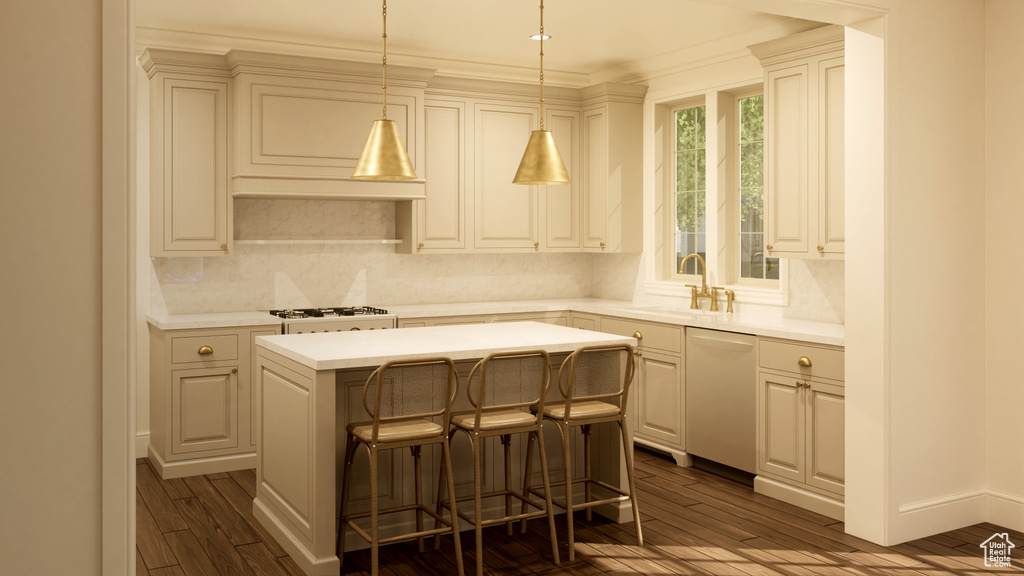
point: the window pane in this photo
(689, 195)
(753, 263)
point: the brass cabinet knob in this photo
(804, 361)
(205, 350)
(638, 353)
(768, 247)
(421, 244)
(234, 370)
(638, 335)
(602, 244)
(821, 248)
(803, 385)
(223, 246)
(536, 244)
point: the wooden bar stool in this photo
(507, 390)
(594, 381)
(404, 398)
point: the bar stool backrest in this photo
(602, 373)
(404, 390)
(509, 380)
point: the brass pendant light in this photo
(384, 156)
(541, 163)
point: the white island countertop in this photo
(365, 348)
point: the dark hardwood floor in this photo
(693, 522)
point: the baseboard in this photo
(937, 515)
(198, 466)
(824, 505)
(682, 459)
(1005, 510)
(141, 444)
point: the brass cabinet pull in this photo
(803, 385)
(804, 361)
(602, 244)
(638, 335)
(234, 370)
(768, 247)
(536, 244)
(638, 353)
(421, 244)
(205, 350)
(223, 246)
(821, 248)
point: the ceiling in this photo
(588, 36)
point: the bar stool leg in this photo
(586, 471)
(547, 493)
(632, 483)
(374, 520)
(346, 480)
(506, 441)
(567, 453)
(446, 453)
(441, 481)
(416, 452)
(477, 505)
(527, 473)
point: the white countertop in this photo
(340, 350)
(774, 327)
(215, 320)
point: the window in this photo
(689, 191)
(752, 261)
(709, 197)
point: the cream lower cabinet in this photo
(801, 425)
(202, 402)
(657, 397)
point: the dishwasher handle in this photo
(723, 342)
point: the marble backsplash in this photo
(261, 277)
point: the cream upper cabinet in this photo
(506, 213)
(611, 172)
(804, 150)
(438, 222)
(300, 125)
(190, 209)
(560, 204)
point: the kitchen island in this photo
(310, 388)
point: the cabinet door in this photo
(561, 203)
(831, 160)
(595, 177)
(204, 409)
(659, 398)
(191, 213)
(506, 213)
(780, 420)
(826, 434)
(787, 202)
(441, 217)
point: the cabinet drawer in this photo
(186, 348)
(785, 356)
(659, 336)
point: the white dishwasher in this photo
(721, 397)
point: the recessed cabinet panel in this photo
(595, 170)
(782, 428)
(832, 133)
(505, 212)
(826, 449)
(659, 412)
(562, 201)
(787, 158)
(298, 126)
(189, 168)
(204, 409)
(443, 215)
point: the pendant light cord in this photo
(384, 65)
(541, 64)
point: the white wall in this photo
(1004, 309)
(50, 215)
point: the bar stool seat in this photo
(395, 432)
(585, 409)
(494, 420)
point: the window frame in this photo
(721, 200)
